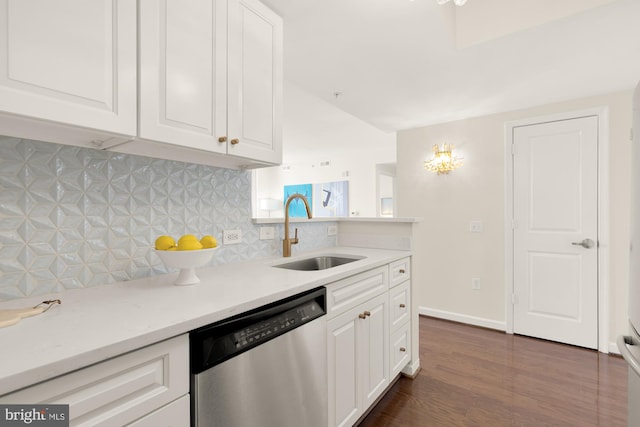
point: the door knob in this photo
(586, 243)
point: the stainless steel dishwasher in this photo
(266, 367)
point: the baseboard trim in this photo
(613, 348)
(463, 318)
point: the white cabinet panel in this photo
(175, 414)
(400, 349)
(183, 72)
(255, 81)
(400, 305)
(375, 348)
(399, 271)
(119, 390)
(347, 293)
(70, 61)
(358, 349)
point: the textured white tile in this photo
(74, 217)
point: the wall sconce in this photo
(443, 160)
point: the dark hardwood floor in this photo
(478, 377)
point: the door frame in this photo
(602, 113)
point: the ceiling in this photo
(401, 64)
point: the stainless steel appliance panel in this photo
(282, 382)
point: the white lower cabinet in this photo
(150, 382)
(369, 338)
(358, 359)
(175, 414)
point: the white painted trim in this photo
(613, 348)
(603, 214)
(462, 318)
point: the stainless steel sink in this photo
(319, 262)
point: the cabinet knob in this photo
(401, 271)
(402, 349)
(367, 313)
(235, 141)
(362, 316)
(402, 306)
(222, 139)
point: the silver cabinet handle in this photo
(586, 243)
(623, 343)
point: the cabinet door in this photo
(254, 82)
(374, 347)
(342, 350)
(183, 72)
(70, 61)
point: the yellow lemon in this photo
(165, 243)
(189, 245)
(187, 238)
(208, 242)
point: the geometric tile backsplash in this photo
(74, 217)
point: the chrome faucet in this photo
(287, 242)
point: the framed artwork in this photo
(296, 208)
(332, 199)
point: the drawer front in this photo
(400, 349)
(399, 271)
(119, 390)
(175, 414)
(400, 305)
(348, 293)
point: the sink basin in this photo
(319, 262)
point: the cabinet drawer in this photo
(347, 293)
(399, 271)
(400, 305)
(120, 390)
(400, 349)
(175, 414)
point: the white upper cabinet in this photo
(183, 72)
(255, 81)
(210, 80)
(69, 61)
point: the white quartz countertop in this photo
(94, 324)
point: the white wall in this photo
(317, 131)
(448, 255)
(358, 169)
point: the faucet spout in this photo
(287, 242)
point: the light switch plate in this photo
(267, 233)
(476, 226)
(332, 230)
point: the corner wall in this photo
(449, 256)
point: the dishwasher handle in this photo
(623, 342)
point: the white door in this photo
(555, 194)
(70, 61)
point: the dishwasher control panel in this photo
(216, 343)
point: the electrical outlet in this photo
(267, 233)
(332, 230)
(231, 237)
(475, 226)
(475, 283)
